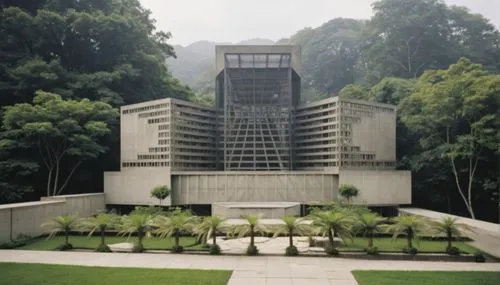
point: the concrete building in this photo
(258, 146)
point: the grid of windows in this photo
(324, 132)
(185, 136)
(322, 135)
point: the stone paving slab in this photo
(257, 270)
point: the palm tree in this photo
(369, 223)
(348, 191)
(209, 226)
(451, 228)
(100, 222)
(141, 224)
(292, 225)
(174, 225)
(408, 225)
(331, 223)
(61, 224)
(251, 227)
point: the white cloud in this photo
(236, 20)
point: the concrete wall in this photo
(379, 188)
(211, 187)
(267, 210)
(376, 134)
(136, 135)
(26, 218)
(132, 186)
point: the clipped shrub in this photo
(252, 250)
(410, 250)
(452, 250)
(138, 248)
(65, 247)
(20, 240)
(479, 257)
(177, 249)
(103, 248)
(7, 245)
(371, 250)
(291, 251)
(331, 251)
(215, 249)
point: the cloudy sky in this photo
(236, 20)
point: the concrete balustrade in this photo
(26, 218)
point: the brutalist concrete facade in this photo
(258, 144)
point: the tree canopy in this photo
(64, 132)
(98, 50)
(456, 113)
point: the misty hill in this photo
(197, 59)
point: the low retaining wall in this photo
(26, 218)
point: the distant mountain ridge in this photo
(198, 57)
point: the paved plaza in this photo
(258, 270)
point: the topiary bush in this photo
(65, 247)
(215, 249)
(331, 251)
(177, 249)
(252, 250)
(103, 248)
(371, 250)
(410, 250)
(138, 248)
(479, 257)
(20, 240)
(452, 250)
(291, 251)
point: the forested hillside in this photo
(101, 51)
(65, 66)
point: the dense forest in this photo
(61, 60)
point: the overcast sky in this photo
(237, 20)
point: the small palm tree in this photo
(331, 223)
(368, 224)
(348, 191)
(174, 225)
(160, 192)
(100, 222)
(408, 225)
(141, 224)
(292, 225)
(61, 224)
(451, 228)
(251, 227)
(209, 226)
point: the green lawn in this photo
(41, 274)
(426, 278)
(388, 244)
(93, 241)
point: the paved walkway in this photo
(486, 235)
(259, 270)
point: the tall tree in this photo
(405, 37)
(64, 132)
(456, 112)
(330, 54)
(102, 50)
